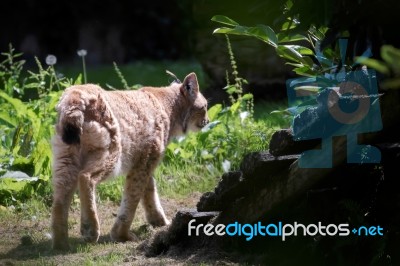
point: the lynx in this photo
(100, 134)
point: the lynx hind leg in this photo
(65, 173)
(151, 203)
(90, 226)
(135, 185)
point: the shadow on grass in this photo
(28, 250)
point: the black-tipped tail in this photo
(71, 134)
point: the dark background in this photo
(127, 31)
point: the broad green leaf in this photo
(261, 32)
(311, 89)
(301, 49)
(214, 111)
(305, 71)
(264, 33)
(286, 51)
(11, 184)
(373, 63)
(285, 37)
(238, 30)
(317, 34)
(224, 20)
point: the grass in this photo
(148, 73)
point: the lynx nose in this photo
(205, 122)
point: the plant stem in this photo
(84, 69)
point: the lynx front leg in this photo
(154, 211)
(133, 191)
(90, 227)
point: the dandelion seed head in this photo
(82, 52)
(51, 60)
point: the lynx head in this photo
(195, 116)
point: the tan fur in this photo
(101, 133)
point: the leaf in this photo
(18, 105)
(289, 24)
(285, 37)
(210, 126)
(8, 119)
(311, 89)
(235, 107)
(264, 33)
(305, 71)
(392, 56)
(11, 184)
(289, 52)
(230, 89)
(301, 49)
(214, 111)
(238, 30)
(373, 63)
(32, 85)
(224, 20)
(261, 32)
(247, 96)
(78, 80)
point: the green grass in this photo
(146, 73)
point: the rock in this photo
(208, 202)
(177, 232)
(283, 143)
(229, 188)
(257, 165)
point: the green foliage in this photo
(390, 66)
(26, 128)
(289, 44)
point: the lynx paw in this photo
(158, 221)
(118, 237)
(60, 245)
(89, 232)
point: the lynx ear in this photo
(190, 86)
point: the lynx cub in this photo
(101, 134)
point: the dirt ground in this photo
(26, 240)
